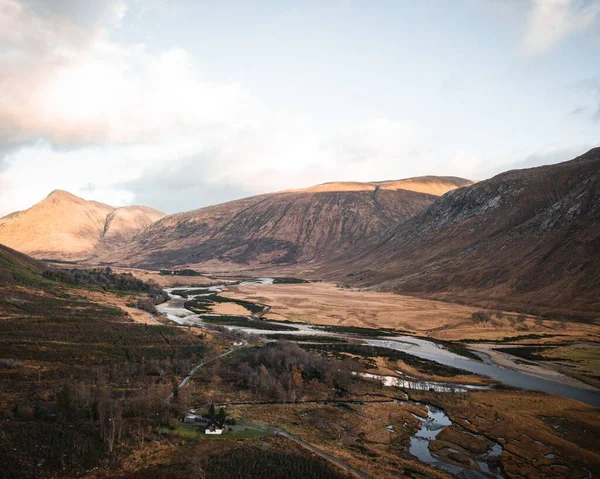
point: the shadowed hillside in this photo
(18, 268)
(523, 238)
(67, 354)
(283, 228)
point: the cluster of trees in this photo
(103, 278)
(220, 416)
(486, 317)
(107, 280)
(180, 272)
(367, 351)
(283, 371)
(88, 421)
(481, 317)
(82, 383)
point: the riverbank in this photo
(494, 351)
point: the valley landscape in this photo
(331, 256)
(109, 361)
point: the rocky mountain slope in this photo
(285, 227)
(66, 227)
(521, 238)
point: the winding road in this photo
(198, 366)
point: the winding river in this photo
(175, 311)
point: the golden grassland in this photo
(229, 308)
(167, 281)
(325, 303)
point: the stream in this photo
(436, 422)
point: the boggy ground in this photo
(542, 436)
(350, 418)
(325, 303)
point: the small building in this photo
(191, 418)
(214, 427)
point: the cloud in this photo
(117, 123)
(184, 185)
(68, 83)
(550, 21)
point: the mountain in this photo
(65, 227)
(284, 227)
(525, 237)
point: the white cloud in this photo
(108, 121)
(550, 21)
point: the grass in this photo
(358, 330)
(184, 293)
(244, 322)
(306, 338)
(203, 304)
(268, 457)
(458, 348)
(509, 339)
(180, 272)
(191, 431)
(289, 281)
(17, 268)
(531, 353)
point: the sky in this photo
(181, 104)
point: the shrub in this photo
(481, 317)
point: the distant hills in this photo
(304, 225)
(277, 228)
(65, 227)
(525, 237)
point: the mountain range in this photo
(304, 225)
(276, 228)
(525, 239)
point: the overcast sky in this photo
(181, 104)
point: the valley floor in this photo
(326, 303)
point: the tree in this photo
(222, 416)
(211, 411)
(65, 402)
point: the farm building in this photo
(214, 427)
